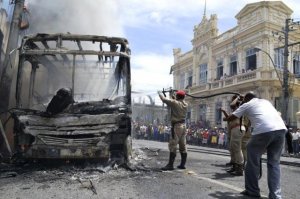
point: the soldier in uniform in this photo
(235, 148)
(246, 129)
(178, 130)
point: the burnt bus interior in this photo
(85, 81)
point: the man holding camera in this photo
(267, 136)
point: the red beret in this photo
(180, 93)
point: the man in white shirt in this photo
(267, 136)
(296, 136)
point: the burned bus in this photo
(73, 97)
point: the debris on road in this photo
(8, 174)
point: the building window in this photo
(202, 112)
(250, 59)
(279, 58)
(189, 79)
(188, 115)
(233, 65)
(219, 69)
(296, 65)
(182, 78)
(203, 74)
(218, 113)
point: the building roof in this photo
(277, 5)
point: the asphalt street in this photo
(204, 178)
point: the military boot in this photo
(239, 171)
(233, 168)
(183, 161)
(228, 164)
(170, 165)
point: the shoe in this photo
(183, 161)
(228, 164)
(246, 193)
(180, 167)
(169, 166)
(238, 170)
(237, 173)
(232, 169)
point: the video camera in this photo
(240, 100)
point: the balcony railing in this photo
(250, 76)
(238, 79)
(247, 76)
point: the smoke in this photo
(93, 17)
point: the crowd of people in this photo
(293, 147)
(150, 131)
(210, 137)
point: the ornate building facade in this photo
(231, 62)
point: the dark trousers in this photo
(272, 143)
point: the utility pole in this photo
(8, 64)
(285, 85)
(289, 23)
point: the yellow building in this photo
(231, 62)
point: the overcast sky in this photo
(153, 27)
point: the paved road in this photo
(207, 166)
(205, 178)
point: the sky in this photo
(153, 28)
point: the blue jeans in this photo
(272, 143)
(296, 146)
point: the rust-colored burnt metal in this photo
(96, 122)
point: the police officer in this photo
(178, 130)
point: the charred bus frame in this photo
(97, 128)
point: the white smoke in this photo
(93, 17)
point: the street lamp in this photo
(283, 83)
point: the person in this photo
(236, 135)
(205, 136)
(289, 141)
(268, 135)
(221, 139)
(296, 135)
(178, 129)
(246, 130)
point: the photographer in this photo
(267, 136)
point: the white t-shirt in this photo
(262, 114)
(296, 135)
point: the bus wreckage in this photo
(73, 98)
